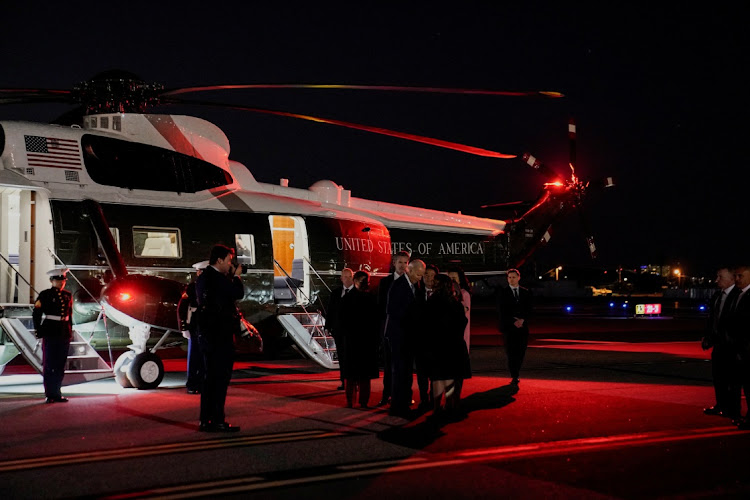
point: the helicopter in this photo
(128, 200)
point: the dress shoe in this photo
(224, 427)
(204, 427)
(193, 391)
(743, 424)
(56, 400)
(383, 402)
(341, 387)
(714, 410)
(515, 381)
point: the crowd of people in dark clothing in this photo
(422, 327)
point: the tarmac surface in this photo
(606, 408)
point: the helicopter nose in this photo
(145, 299)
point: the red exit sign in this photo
(648, 308)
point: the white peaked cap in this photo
(59, 274)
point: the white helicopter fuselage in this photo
(169, 179)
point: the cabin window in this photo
(126, 164)
(104, 122)
(157, 242)
(116, 123)
(245, 246)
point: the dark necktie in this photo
(515, 294)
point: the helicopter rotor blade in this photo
(376, 130)
(30, 96)
(572, 143)
(387, 88)
(537, 165)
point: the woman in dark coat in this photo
(359, 327)
(448, 356)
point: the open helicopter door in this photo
(22, 211)
(291, 254)
(26, 234)
(292, 288)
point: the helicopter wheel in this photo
(146, 371)
(122, 365)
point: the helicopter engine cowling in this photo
(138, 298)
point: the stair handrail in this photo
(316, 326)
(98, 302)
(20, 275)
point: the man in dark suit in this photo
(723, 357)
(405, 301)
(333, 318)
(217, 289)
(400, 261)
(53, 323)
(514, 306)
(739, 337)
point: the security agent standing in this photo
(723, 357)
(52, 321)
(514, 306)
(739, 338)
(186, 314)
(217, 289)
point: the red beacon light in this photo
(125, 297)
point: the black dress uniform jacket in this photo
(54, 303)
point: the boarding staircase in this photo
(307, 329)
(84, 363)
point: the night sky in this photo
(655, 94)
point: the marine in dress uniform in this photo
(52, 321)
(186, 314)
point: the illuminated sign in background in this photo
(648, 308)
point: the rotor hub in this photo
(117, 92)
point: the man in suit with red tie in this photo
(723, 357)
(514, 306)
(739, 336)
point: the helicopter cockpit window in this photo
(157, 242)
(245, 245)
(131, 165)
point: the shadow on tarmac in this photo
(427, 431)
